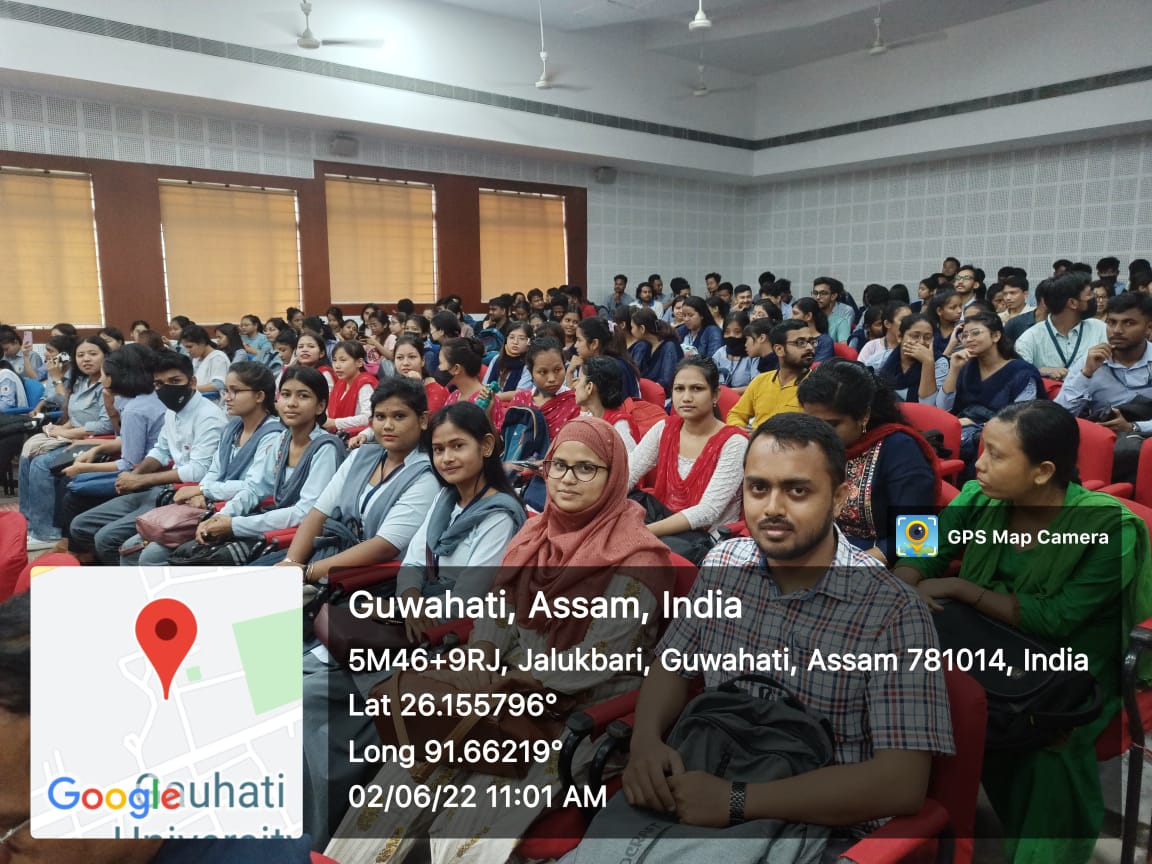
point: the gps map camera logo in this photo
(917, 536)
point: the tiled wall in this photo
(1025, 208)
(639, 224)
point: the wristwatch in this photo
(736, 803)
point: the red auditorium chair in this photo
(13, 551)
(1141, 492)
(948, 816)
(923, 417)
(1097, 452)
(728, 399)
(1136, 713)
(1052, 387)
(845, 351)
(558, 832)
(651, 391)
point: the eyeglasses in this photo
(7, 836)
(585, 472)
(918, 338)
(964, 279)
(805, 343)
(233, 392)
(971, 334)
(821, 293)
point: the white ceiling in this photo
(754, 37)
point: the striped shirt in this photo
(857, 609)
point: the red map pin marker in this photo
(166, 630)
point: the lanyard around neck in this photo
(1065, 362)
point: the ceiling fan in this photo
(544, 82)
(880, 46)
(700, 20)
(308, 41)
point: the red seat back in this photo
(845, 351)
(52, 559)
(1097, 451)
(1143, 493)
(13, 551)
(728, 399)
(924, 417)
(955, 780)
(1052, 387)
(651, 391)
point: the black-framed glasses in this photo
(233, 392)
(821, 293)
(585, 472)
(805, 343)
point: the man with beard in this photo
(770, 393)
(1114, 373)
(806, 590)
(965, 282)
(1062, 340)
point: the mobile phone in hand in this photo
(27, 338)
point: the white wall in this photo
(1026, 208)
(1048, 43)
(641, 224)
(610, 74)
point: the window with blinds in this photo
(523, 242)
(48, 261)
(381, 240)
(229, 250)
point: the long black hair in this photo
(472, 420)
(849, 387)
(809, 307)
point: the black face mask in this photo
(735, 346)
(174, 396)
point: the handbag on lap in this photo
(170, 525)
(1027, 708)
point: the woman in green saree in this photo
(1082, 595)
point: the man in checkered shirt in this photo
(805, 588)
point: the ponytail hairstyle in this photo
(1047, 433)
(260, 379)
(255, 320)
(232, 340)
(647, 321)
(809, 307)
(611, 340)
(604, 373)
(851, 388)
(279, 323)
(472, 420)
(465, 351)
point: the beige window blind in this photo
(381, 240)
(228, 250)
(48, 261)
(523, 243)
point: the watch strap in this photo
(736, 803)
